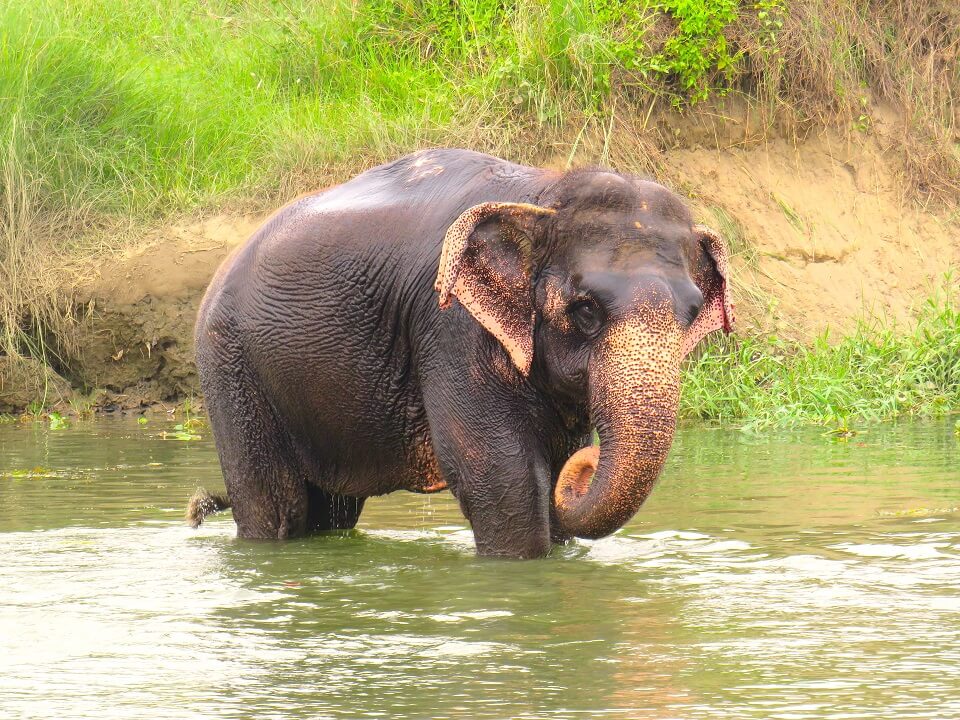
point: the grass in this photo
(878, 372)
(149, 107)
(129, 111)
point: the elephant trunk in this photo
(634, 393)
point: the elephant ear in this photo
(717, 310)
(485, 263)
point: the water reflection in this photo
(784, 576)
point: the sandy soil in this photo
(821, 234)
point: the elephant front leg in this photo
(509, 512)
(503, 489)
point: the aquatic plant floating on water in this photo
(842, 432)
(30, 474)
(182, 431)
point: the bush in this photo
(879, 372)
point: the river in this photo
(780, 575)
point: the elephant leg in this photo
(262, 470)
(508, 507)
(328, 511)
(497, 473)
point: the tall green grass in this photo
(146, 107)
(143, 107)
(878, 372)
(151, 106)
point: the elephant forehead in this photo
(627, 292)
(656, 200)
(625, 242)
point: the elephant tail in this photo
(202, 504)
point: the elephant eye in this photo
(587, 316)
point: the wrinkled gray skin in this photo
(332, 374)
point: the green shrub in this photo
(878, 372)
(698, 50)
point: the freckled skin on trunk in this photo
(634, 390)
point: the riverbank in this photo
(132, 163)
(847, 308)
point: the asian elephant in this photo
(454, 321)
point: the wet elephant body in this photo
(452, 320)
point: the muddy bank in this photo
(134, 332)
(821, 233)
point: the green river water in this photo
(769, 576)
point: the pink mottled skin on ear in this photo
(717, 311)
(496, 295)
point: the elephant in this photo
(452, 320)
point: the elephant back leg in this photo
(262, 469)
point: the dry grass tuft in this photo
(31, 305)
(847, 63)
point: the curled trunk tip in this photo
(575, 477)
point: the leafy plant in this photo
(189, 428)
(57, 421)
(770, 19)
(698, 50)
(181, 431)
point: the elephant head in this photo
(597, 293)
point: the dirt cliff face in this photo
(821, 233)
(134, 337)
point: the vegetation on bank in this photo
(125, 112)
(878, 372)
